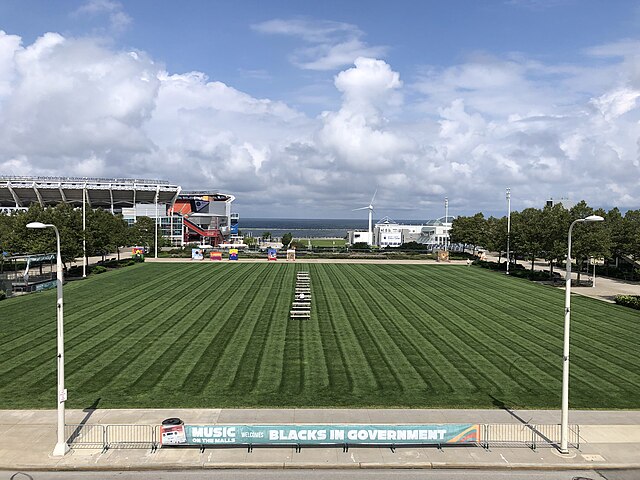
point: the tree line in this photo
(105, 233)
(542, 233)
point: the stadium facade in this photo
(181, 216)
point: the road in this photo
(330, 474)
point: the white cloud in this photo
(9, 45)
(330, 45)
(118, 19)
(309, 31)
(617, 102)
(72, 98)
(356, 134)
(77, 107)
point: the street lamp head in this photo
(37, 225)
(594, 218)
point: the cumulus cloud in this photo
(356, 134)
(73, 98)
(72, 106)
(329, 45)
(533, 126)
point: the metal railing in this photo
(148, 436)
(529, 435)
(112, 436)
(86, 436)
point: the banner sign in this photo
(46, 285)
(272, 254)
(217, 256)
(233, 254)
(196, 254)
(197, 435)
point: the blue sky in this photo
(304, 108)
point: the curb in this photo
(328, 466)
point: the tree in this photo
(266, 235)
(528, 227)
(99, 236)
(143, 232)
(496, 235)
(615, 225)
(469, 231)
(631, 234)
(589, 239)
(120, 233)
(249, 241)
(555, 225)
(286, 239)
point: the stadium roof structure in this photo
(19, 191)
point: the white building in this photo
(359, 236)
(389, 233)
(435, 234)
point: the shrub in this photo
(138, 258)
(75, 271)
(3, 295)
(631, 301)
(98, 269)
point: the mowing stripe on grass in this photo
(351, 351)
(218, 335)
(340, 375)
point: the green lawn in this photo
(218, 335)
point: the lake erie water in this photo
(307, 228)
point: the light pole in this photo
(157, 220)
(446, 220)
(564, 425)
(508, 225)
(84, 232)
(61, 446)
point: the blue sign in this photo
(321, 434)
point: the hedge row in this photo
(632, 301)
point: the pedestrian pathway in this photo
(605, 288)
(610, 439)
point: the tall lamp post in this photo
(508, 225)
(446, 220)
(61, 446)
(564, 426)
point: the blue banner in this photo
(321, 434)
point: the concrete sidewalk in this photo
(610, 439)
(604, 289)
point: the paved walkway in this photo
(605, 288)
(609, 440)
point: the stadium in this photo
(181, 216)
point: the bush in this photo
(138, 258)
(75, 271)
(3, 295)
(98, 269)
(631, 301)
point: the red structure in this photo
(206, 216)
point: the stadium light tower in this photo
(564, 426)
(61, 446)
(508, 225)
(84, 231)
(446, 220)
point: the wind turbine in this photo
(370, 208)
